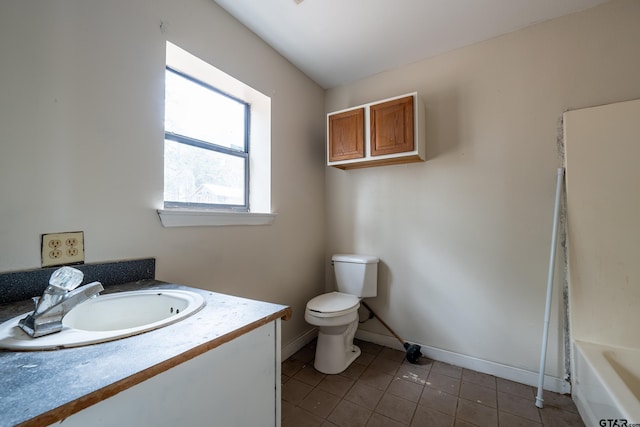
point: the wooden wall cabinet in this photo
(380, 133)
(346, 135)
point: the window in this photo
(217, 146)
(206, 148)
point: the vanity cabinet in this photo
(385, 132)
(206, 369)
(215, 388)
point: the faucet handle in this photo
(66, 278)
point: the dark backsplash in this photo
(21, 285)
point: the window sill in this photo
(189, 218)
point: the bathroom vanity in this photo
(204, 370)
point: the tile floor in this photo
(382, 389)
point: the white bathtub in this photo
(606, 383)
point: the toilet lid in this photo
(333, 302)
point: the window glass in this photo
(196, 176)
(206, 148)
(196, 110)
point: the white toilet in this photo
(336, 313)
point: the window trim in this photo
(194, 218)
(261, 212)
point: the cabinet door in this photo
(215, 388)
(346, 135)
(392, 126)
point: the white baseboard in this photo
(511, 373)
(293, 347)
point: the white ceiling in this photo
(337, 41)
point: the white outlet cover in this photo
(62, 248)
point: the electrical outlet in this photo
(62, 248)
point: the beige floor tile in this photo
(416, 374)
(475, 413)
(382, 389)
(518, 389)
(353, 371)
(336, 384)
(309, 375)
(554, 417)
(290, 367)
(298, 417)
(368, 347)
(443, 382)
(305, 355)
(284, 379)
(295, 391)
(364, 395)
(375, 378)
(348, 414)
(378, 420)
(439, 400)
(559, 401)
(319, 402)
(479, 394)
(364, 359)
(392, 354)
(429, 417)
(520, 406)
(423, 362)
(387, 366)
(423, 366)
(446, 369)
(405, 389)
(287, 409)
(510, 420)
(396, 408)
(485, 380)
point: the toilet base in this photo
(335, 352)
(336, 365)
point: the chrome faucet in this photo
(59, 298)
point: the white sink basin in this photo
(108, 317)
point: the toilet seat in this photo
(333, 304)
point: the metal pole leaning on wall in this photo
(547, 310)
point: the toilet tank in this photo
(356, 274)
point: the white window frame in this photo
(259, 153)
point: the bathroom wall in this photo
(81, 146)
(464, 238)
(603, 222)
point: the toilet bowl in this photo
(336, 313)
(336, 316)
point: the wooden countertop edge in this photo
(68, 409)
